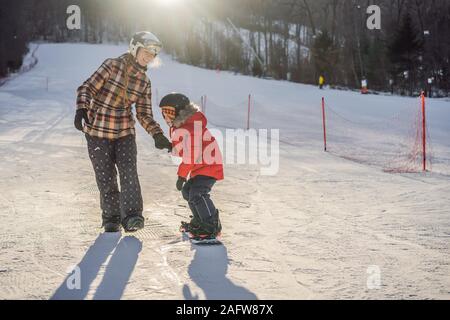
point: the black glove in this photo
(161, 142)
(80, 115)
(180, 183)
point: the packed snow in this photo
(321, 227)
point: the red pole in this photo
(424, 134)
(324, 125)
(248, 113)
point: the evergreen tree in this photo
(325, 54)
(405, 52)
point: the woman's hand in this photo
(80, 115)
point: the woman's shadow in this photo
(208, 270)
(125, 253)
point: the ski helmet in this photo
(175, 100)
(146, 40)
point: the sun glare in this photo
(169, 2)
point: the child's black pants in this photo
(196, 192)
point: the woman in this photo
(104, 103)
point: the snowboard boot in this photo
(207, 230)
(218, 223)
(133, 224)
(188, 226)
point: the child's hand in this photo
(161, 142)
(180, 183)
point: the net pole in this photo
(324, 125)
(424, 135)
(248, 111)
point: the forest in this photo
(293, 40)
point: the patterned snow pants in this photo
(117, 206)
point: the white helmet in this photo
(147, 40)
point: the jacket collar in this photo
(131, 61)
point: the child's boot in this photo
(188, 226)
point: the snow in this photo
(316, 229)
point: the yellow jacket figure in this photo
(321, 82)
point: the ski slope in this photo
(322, 228)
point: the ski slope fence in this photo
(398, 142)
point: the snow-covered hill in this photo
(322, 227)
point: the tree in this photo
(325, 54)
(405, 52)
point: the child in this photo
(201, 162)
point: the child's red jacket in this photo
(199, 150)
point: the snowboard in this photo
(207, 241)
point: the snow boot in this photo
(133, 223)
(111, 227)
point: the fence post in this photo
(248, 112)
(324, 125)
(424, 133)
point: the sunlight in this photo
(168, 2)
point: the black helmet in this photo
(176, 100)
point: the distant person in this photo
(104, 103)
(364, 86)
(201, 165)
(321, 82)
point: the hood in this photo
(190, 113)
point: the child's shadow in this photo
(117, 273)
(208, 270)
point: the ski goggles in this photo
(153, 50)
(154, 47)
(168, 112)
